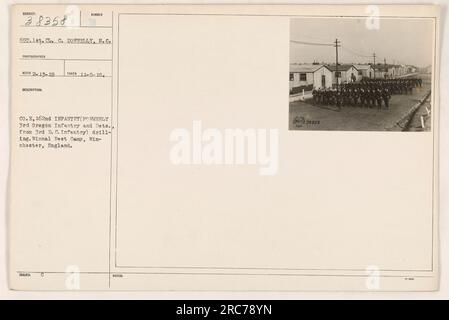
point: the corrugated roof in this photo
(380, 67)
(341, 67)
(362, 66)
(305, 68)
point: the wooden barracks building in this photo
(306, 77)
(309, 76)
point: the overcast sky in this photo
(400, 41)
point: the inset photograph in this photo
(360, 74)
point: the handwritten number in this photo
(47, 21)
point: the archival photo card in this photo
(153, 148)
(361, 73)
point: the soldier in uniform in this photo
(368, 97)
(320, 96)
(338, 99)
(350, 97)
(315, 96)
(325, 97)
(372, 97)
(378, 95)
(386, 97)
(344, 95)
(355, 97)
(366, 93)
(362, 97)
(331, 97)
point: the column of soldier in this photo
(368, 92)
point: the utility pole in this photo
(337, 44)
(374, 57)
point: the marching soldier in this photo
(386, 97)
(372, 98)
(366, 93)
(355, 97)
(326, 97)
(378, 95)
(362, 97)
(315, 96)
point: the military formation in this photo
(370, 93)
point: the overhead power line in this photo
(312, 43)
(355, 52)
(352, 51)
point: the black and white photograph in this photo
(361, 74)
(149, 151)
